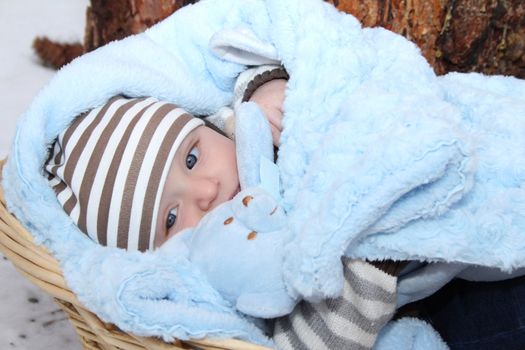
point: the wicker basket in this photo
(42, 269)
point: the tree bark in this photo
(454, 35)
(54, 54)
(108, 20)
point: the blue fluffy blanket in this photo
(379, 158)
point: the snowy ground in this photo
(29, 319)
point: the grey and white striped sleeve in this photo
(351, 321)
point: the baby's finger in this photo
(276, 135)
(275, 117)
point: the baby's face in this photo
(203, 175)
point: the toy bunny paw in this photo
(269, 304)
(313, 278)
(258, 210)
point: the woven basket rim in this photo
(40, 267)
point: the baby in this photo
(134, 172)
(204, 172)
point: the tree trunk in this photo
(108, 20)
(454, 35)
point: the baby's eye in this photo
(192, 157)
(171, 219)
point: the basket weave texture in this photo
(36, 264)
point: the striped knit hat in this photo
(108, 168)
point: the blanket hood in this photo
(148, 294)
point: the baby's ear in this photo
(253, 139)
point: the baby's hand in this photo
(270, 98)
(258, 210)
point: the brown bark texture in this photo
(454, 35)
(108, 20)
(54, 54)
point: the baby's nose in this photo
(206, 192)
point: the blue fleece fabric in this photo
(376, 153)
(409, 334)
(379, 158)
(147, 294)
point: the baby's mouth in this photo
(237, 190)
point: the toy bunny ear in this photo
(241, 45)
(253, 137)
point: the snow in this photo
(29, 319)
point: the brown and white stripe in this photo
(108, 168)
(351, 321)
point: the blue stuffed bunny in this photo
(239, 246)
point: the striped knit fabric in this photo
(351, 321)
(108, 168)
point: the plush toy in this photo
(239, 246)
